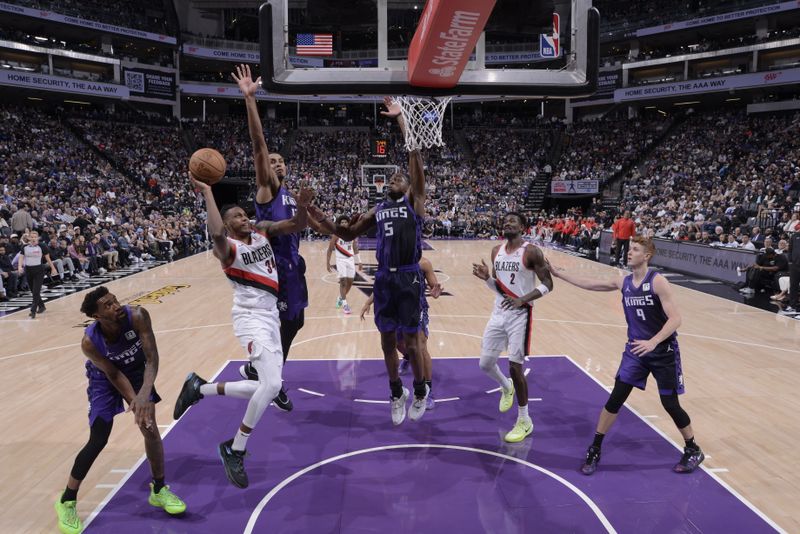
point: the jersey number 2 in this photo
(513, 276)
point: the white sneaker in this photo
(102, 271)
(419, 405)
(399, 408)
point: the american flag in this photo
(314, 44)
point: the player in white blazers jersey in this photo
(249, 263)
(347, 259)
(515, 267)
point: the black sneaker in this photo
(189, 395)
(234, 464)
(592, 459)
(248, 372)
(690, 460)
(41, 309)
(283, 402)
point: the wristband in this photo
(543, 289)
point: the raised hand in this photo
(305, 196)
(481, 271)
(392, 107)
(244, 79)
(198, 185)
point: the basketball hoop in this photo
(423, 118)
(379, 183)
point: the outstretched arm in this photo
(416, 169)
(266, 179)
(359, 224)
(222, 248)
(612, 284)
(296, 223)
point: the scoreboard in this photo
(380, 148)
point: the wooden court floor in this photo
(741, 367)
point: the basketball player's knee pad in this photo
(488, 360)
(618, 396)
(675, 410)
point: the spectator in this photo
(9, 275)
(761, 276)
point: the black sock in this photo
(598, 440)
(690, 444)
(419, 388)
(397, 388)
(69, 495)
(430, 385)
(158, 483)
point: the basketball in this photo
(207, 165)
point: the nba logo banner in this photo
(549, 45)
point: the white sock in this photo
(240, 441)
(344, 301)
(207, 390)
(523, 413)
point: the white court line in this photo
(285, 482)
(495, 390)
(120, 470)
(719, 481)
(718, 470)
(133, 469)
(311, 392)
(650, 416)
(354, 317)
(106, 486)
(535, 399)
(370, 401)
(527, 371)
(448, 399)
(163, 426)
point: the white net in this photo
(423, 118)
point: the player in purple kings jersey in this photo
(274, 202)
(122, 365)
(653, 320)
(398, 287)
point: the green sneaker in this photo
(506, 399)
(338, 302)
(522, 429)
(171, 503)
(68, 520)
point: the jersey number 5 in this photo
(387, 228)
